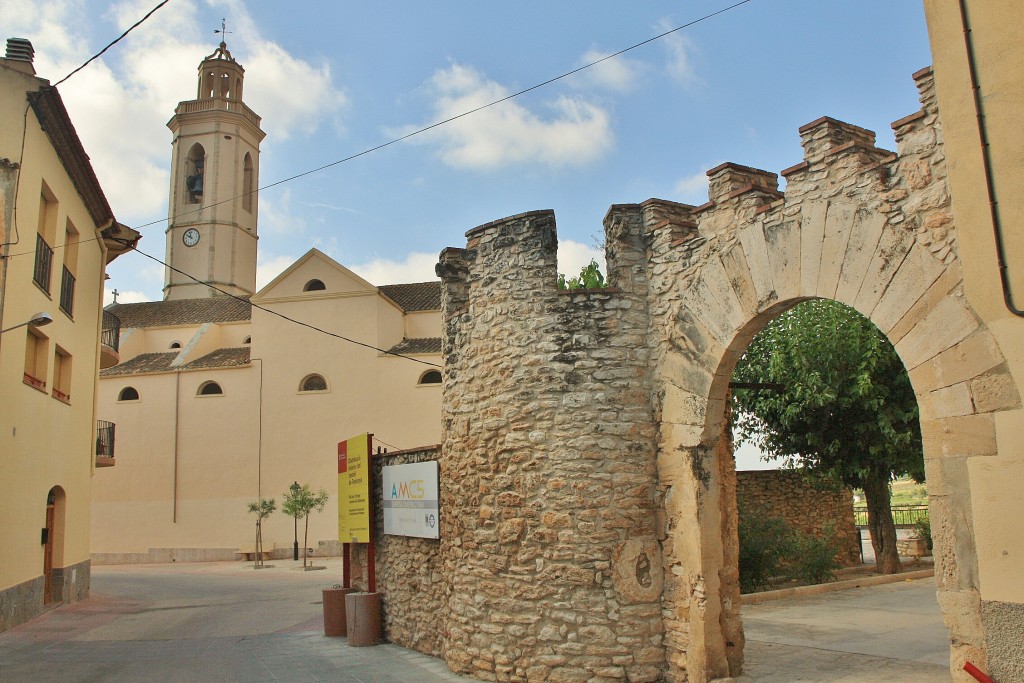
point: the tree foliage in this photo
(590, 277)
(262, 508)
(846, 409)
(300, 502)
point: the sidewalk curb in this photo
(804, 591)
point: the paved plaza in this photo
(225, 622)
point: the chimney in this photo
(19, 56)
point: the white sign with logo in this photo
(411, 500)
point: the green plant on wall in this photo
(590, 277)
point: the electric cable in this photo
(112, 44)
(272, 312)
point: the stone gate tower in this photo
(211, 231)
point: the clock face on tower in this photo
(191, 237)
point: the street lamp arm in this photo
(37, 320)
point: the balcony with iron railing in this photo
(44, 264)
(104, 443)
(67, 292)
(110, 338)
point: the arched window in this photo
(313, 382)
(210, 388)
(195, 168)
(314, 286)
(175, 345)
(248, 183)
(128, 394)
(247, 340)
(431, 377)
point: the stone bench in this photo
(248, 552)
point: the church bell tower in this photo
(211, 231)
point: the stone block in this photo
(865, 232)
(839, 221)
(782, 241)
(812, 238)
(965, 360)
(968, 435)
(995, 391)
(947, 402)
(948, 323)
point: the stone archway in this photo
(582, 430)
(859, 225)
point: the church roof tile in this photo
(218, 309)
(418, 296)
(417, 345)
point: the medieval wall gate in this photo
(589, 527)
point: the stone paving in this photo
(226, 622)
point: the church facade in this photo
(225, 394)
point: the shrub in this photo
(765, 542)
(814, 557)
(924, 530)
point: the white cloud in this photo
(679, 61)
(416, 267)
(121, 102)
(276, 215)
(574, 256)
(127, 297)
(269, 268)
(692, 189)
(619, 74)
(576, 133)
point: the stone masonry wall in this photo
(590, 526)
(804, 506)
(409, 574)
(549, 534)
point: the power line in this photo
(443, 122)
(272, 312)
(112, 44)
(432, 126)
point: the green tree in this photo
(590, 277)
(262, 508)
(299, 503)
(845, 409)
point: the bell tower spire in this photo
(212, 226)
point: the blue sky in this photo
(332, 79)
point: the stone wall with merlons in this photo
(588, 498)
(549, 496)
(805, 505)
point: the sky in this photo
(333, 78)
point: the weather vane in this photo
(223, 30)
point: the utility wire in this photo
(272, 312)
(112, 44)
(465, 113)
(432, 126)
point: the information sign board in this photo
(411, 500)
(354, 489)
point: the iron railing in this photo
(111, 334)
(44, 263)
(904, 516)
(67, 292)
(104, 439)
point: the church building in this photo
(225, 394)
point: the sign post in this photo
(354, 506)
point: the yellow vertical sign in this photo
(354, 489)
